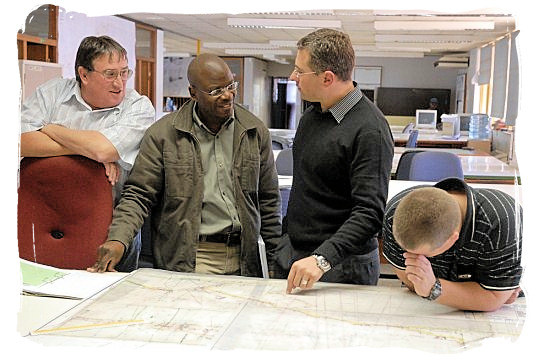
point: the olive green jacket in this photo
(166, 182)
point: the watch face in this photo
(322, 263)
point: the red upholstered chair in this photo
(65, 206)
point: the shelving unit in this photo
(39, 41)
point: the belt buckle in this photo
(228, 238)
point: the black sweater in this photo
(340, 182)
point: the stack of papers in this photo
(43, 280)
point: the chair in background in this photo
(284, 167)
(408, 128)
(65, 207)
(404, 164)
(435, 166)
(284, 162)
(276, 145)
(411, 141)
(285, 193)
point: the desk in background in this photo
(212, 312)
(396, 186)
(460, 152)
(480, 169)
(431, 140)
(483, 169)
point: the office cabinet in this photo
(35, 73)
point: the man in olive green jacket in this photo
(167, 180)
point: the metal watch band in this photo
(435, 291)
(322, 262)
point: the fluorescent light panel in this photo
(389, 54)
(283, 43)
(282, 23)
(427, 38)
(251, 51)
(253, 45)
(433, 25)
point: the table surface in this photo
(427, 136)
(460, 152)
(153, 306)
(477, 167)
(396, 186)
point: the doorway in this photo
(283, 105)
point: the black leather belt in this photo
(230, 238)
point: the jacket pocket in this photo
(250, 175)
(178, 177)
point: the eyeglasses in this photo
(298, 73)
(110, 74)
(232, 87)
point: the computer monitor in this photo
(426, 119)
(465, 123)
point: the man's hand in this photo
(112, 171)
(109, 254)
(420, 273)
(303, 274)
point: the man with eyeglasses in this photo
(93, 115)
(206, 176)
(342, 155)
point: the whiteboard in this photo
(368, 76)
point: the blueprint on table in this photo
(221, 312)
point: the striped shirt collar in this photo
(468, 227)
(342, 107)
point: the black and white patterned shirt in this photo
(489, 247)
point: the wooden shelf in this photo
(40, 48)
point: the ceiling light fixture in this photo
(252, 51)
(389, 54)
(297, 24)
(433, 25)
(254, 45)
(283, 43)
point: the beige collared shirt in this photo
(219, 211)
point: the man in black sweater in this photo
(342, 156)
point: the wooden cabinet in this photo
(481, 145)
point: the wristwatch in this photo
(435, 291)
(322, 263)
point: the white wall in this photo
(397, 72)
(257, 93)
(73, 27)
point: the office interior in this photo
(469, 61)
(403, 59)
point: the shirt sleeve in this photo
(391, 250)
(499, 263)
(136, 115)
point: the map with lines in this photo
(224, 313)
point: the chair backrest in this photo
(284, 162)
(65, 206)
(408, 128)
(413, 137)
(285, 193)
(404, 164)
(435, 166)
(276, 145)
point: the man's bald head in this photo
(206, 65)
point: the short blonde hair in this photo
(426, 215)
